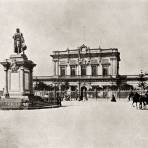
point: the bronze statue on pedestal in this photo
(19, 42)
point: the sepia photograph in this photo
(73, 73)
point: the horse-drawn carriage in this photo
(139, 98)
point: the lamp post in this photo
(58, 75)
(142, 81)
(54, 90)
(112, 76)
(79, 63)
(79, 68)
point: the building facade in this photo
(90, 69)
(86, 67)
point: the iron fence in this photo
(103, 94)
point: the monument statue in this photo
(19, 42)
(18, 91)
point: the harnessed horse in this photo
(137, 98)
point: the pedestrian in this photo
(77, 95)
(113, 99)
(69, 94)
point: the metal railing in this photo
(74, 95)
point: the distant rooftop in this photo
(85, 50)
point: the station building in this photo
(85, 67)
(90, 69)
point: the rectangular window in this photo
(105, 71)
(94, 70)
(83, 70)
(73, 70)
(62, 70)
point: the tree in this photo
(65, 86)
(141, 79)
(42, 86)
(126, 87)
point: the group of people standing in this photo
(79, 97)
(82, 96)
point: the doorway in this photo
(83, 94)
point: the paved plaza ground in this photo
(89, 124)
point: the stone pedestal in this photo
(18, 78)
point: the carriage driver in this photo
(18, 36)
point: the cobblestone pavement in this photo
(89, 124)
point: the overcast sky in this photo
(50, 25)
